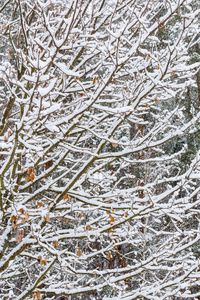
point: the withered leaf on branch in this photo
(66, 197)
(31, 170)
(78, 252)
(55, 244)
(112, 220)
(37, 295)
(47, 218)
(42, 260)
(19, 235)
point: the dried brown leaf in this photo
(19, 235)
(47, 218)
(148, 57)
(112, 220)
(79, 252)
(55, 244)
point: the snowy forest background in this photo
(99, 149)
